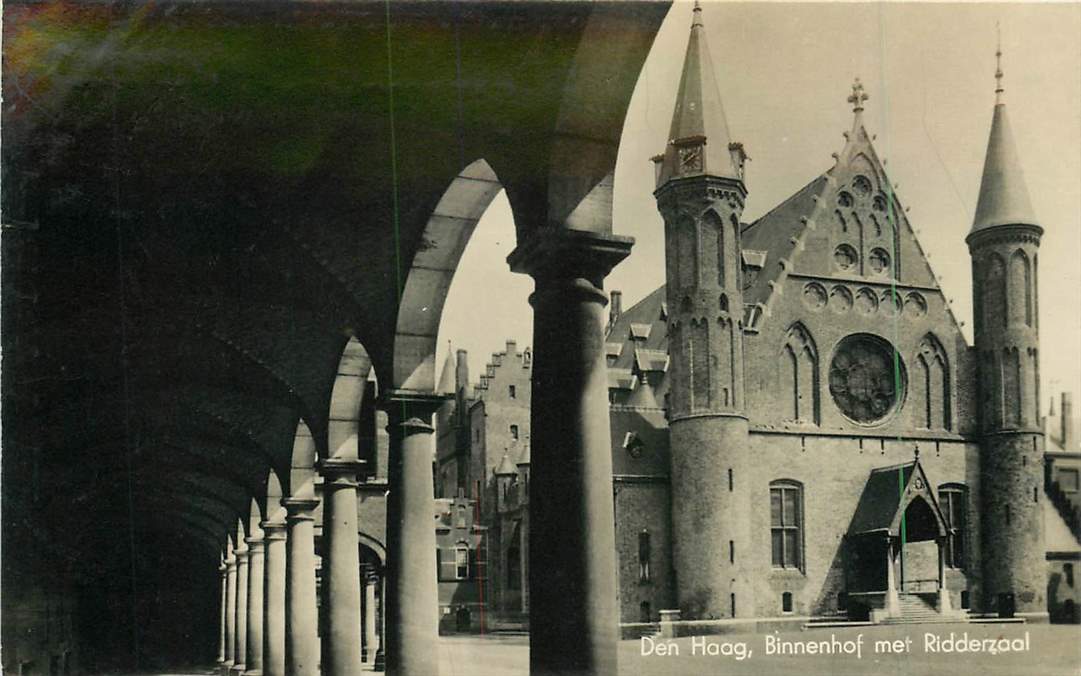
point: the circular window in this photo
(814, 296)
(862, 378)
(915, 305)
(862, 186)
(844, 199)
(879, 261)
(845, 257)
(840, 299)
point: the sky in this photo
(784, 73)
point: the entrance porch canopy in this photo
(885, 505)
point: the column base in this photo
(236, 670)
(253, 672)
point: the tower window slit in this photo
(730, 480)
(731, 551)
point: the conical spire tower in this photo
(1003, 196)
(698, 139)
(1004, 244)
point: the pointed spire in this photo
(998, 68)
(1003, 196)
(446, 377)
(698, 140)
(505, 467)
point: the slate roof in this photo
(880, 499)
(1003, 196)
(647, 426)
(651, 360)
(1057, 535)
(773, 233)
(646, 311)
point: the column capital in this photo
(565, 253)
(241, 556)
(403, 405)
(300, 509)
(340, 472)
(273, 530)
(255, 544)
(223, 568)
(230, 563)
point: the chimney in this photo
(461, 374)
(615, 307)
(1068, 441)
(512, 347)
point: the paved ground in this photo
(1052, 650)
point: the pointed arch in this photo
(1020, 289)
(425, 289)
(700, 364)
(933, 383)
(995, 303)
(273, 507)
(1012, 384)
(347, 396)
(712, 259)
(302, 464)
(801, 374)
(686, 246)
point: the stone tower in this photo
(1004, 243)
(700, 194)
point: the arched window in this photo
(994, 293)
(712, 251)
(461, 562)
(933, 384)
(786, 524)
(953, 500)
(1020, 288)
(800, 375)
(686, 252)
(644, 573)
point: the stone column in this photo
(341, 568)
(371, 636)
(893, 604)
(301, 614)
(943, 593)
(230, 614)
(571, 519)
(274, 598)
(224, 570)
(240, 651)
(253, 663)
(412, 610)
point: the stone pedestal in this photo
(412, 617)
(572, 531)
(668, 622)
(240, 649)
(301, 613)
(274, 598)
(341, 566)
(253, 662)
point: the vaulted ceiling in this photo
(203, 201)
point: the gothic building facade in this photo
(799, 427)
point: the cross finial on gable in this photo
(858, 96)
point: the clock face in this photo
(862, 378)
(690, 159)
